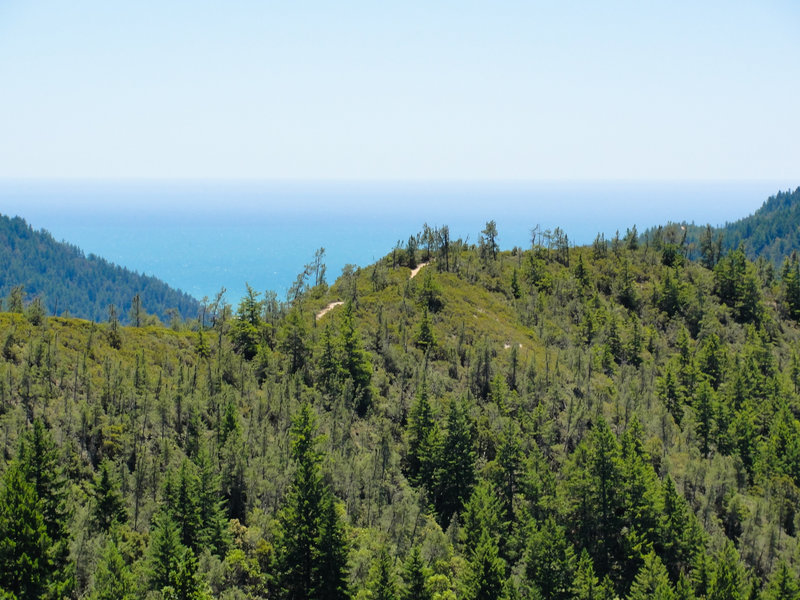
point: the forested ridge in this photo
(67, 282)
(771, 233)
(608, 421)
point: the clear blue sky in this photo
(400, 90)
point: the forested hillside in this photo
(66, 281)
(611, 421)
(771, 233)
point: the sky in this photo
(456, 91)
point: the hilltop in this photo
(69, 282)
(612, 420)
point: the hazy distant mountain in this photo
(83, 286)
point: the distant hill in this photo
(773, 231)
(83, 286)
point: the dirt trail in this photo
(333, 305)
(328, 309)
(417, 269)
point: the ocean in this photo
(201, 236)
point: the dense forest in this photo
(771, 233)
(67, 282)
(554, 422)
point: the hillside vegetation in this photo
(66, 281)
(598, 422)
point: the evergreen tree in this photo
(728, 577)
(425, 337)
(355, 362)
(383, 585)
(210, 506)
(652, 581)
(165, 552)
(455, 473)
(330, 567)
(329, 365)
(481, 513)
(40, 462)
(112, 579)
(586, 585)
(292, 340)
(186, 583)
(782, 585)
(421, 456)
(550, 561)
(509, 461)
(704, 414)
(414, 587)
(109, 506)
(25, 548)
(488, 570)
(311, 559)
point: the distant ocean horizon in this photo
(201, 236)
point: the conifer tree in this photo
(330, 567)
(41, 465)
(550, 561)
(210, 505)
(586, 585)
(425, 338)
(652, 581)
(25, 547)
(186, 583)
(311, 552)
(165, 552)
(355, 362)
(488, 570)
(782, 585)
(481, 513)
(728, 577)
(109, 506)
(420, 455)
(455, 473)
(112, 579)
(415, 587)
(383, 585)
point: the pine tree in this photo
(586, 585)
(40, 462)
(481, 513)
(185, 511)
(782, 585)
(25, 547)
(455, 473)
(113, 579)
(415, 587)
(728, 577)
(550, 561)
(330, 567)
(652, 581)
(311, 559)
(109, 506)
(425, 338)
(488, 570)
(420, 456)
(355, 362)
(186, 582)
(165, 553)
(509, 461)
(383, 585)
(210, 506)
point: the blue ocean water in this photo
(202, 236)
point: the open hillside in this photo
(611, 421)
(68, 282)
